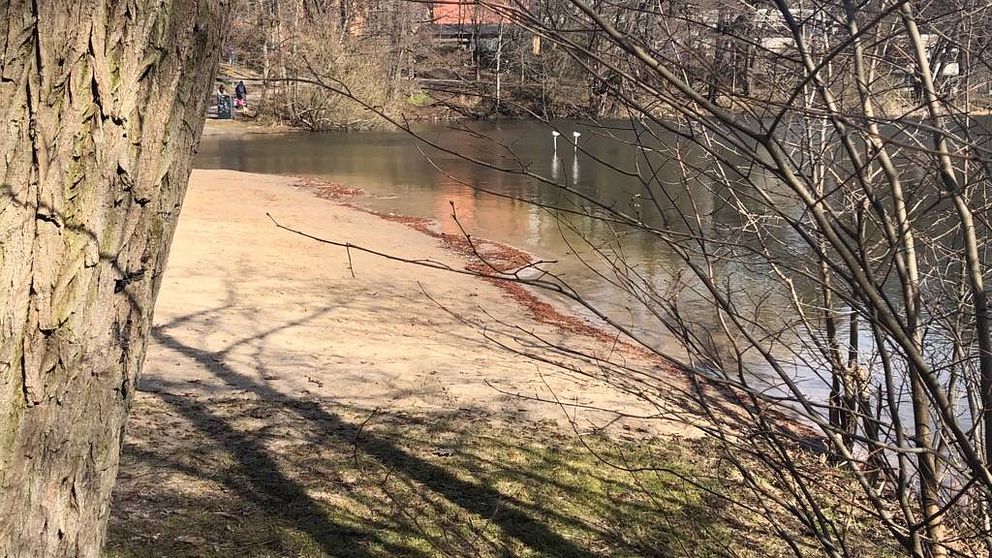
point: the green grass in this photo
(244, 477)
(420, 99)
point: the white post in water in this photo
(575, 141)
(555, 134)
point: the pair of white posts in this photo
(575, 140)
(575, 157)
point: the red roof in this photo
(463, 12)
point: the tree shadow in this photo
(472, 497)
(478, 509)
(259, 480)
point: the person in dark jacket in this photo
(241, 95)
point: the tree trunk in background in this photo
(103, 104)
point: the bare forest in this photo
(449, 60)
(850, 143)
(326, 379)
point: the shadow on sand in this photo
(265, 473)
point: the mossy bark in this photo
(101, 107)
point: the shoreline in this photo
(288, 383)
(487, 257)
(252, 126)
(393, 336)
(483, 253)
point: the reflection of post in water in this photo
(555, 166)
(575, 157)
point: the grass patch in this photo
(246, 477)
(420, 99)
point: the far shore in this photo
(241, 126)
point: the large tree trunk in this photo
(101, 107)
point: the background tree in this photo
(840, 152)
(840, 139)
(104, 102)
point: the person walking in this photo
(241, 95)
(223, 103)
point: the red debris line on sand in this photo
(544, 312)
(548, 314)
(503, 258)
(495, 256)
(328, 190)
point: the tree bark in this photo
(103, 105)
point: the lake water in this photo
(403, 175)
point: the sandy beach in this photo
(290, 399)
(295, 404)
(246, 305)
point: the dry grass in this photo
(248, 477)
